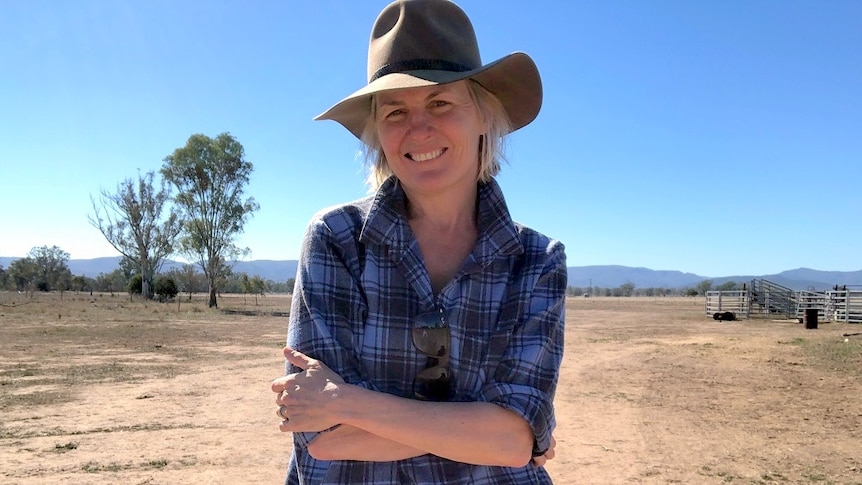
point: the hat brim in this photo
(514, 79)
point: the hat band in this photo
(418, 65)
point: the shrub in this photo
(165, 287)
(136, 284)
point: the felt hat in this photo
(417, 43)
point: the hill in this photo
(614, 276)
(266, 269)
(607, 276)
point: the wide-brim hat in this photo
(416, 43)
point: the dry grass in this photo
(51, 345)
(106, 390)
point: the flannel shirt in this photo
(361, 280)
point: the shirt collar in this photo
(386, 221)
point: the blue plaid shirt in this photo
(361, 281)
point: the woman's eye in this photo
(394, 114)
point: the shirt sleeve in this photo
(526, 376)
(327, 304)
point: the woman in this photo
(426, 330)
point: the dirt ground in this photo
(102, 390)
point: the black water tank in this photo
(809, 318)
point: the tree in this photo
(187, 279)
(727, 286)
(249, 285)
(51, 271)
(210, 176)
(245, 285)
(166, 287)
(136, 285)
(703, 287)
(133, 222)
(627, 289)
(80, 283)
(22, 274)
(128, 268)
(112, 282)
(4, 278)
(189, 275)
(258, 287)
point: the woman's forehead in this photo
(421, 93)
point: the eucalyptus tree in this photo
(52, 268)
(703, 287)
(43, 269)
(81, 283)
(112, 282)
(210, 175)
(139, 222)
(22, 274)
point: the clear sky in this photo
(713, 137)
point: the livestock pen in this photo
(763, 298)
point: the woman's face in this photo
(430, 136)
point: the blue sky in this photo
(717, 138)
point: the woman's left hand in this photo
(541, 460)
(306, 399)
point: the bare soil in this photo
(103, 390)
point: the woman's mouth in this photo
(424, 157)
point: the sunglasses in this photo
(431, 337)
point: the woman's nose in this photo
(420, 123)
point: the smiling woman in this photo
(419, 311)
(430, 138)
(496, 126)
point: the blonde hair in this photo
(491, 146)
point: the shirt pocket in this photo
(472, 357)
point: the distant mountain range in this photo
(266, 269)
(580, 276)
(796, 279)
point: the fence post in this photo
(747, 297)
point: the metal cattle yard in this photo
(765, 299)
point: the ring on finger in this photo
(280, 412)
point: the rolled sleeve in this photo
(532, 405)
(326, 310)
(525, 379)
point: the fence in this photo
(844, 306)
(766, 298)
(737, 301)
(773, 299)
(813, 300)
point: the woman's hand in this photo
(541, 460)
(307, 399)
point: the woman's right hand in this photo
(549, 454)
(306, 398)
